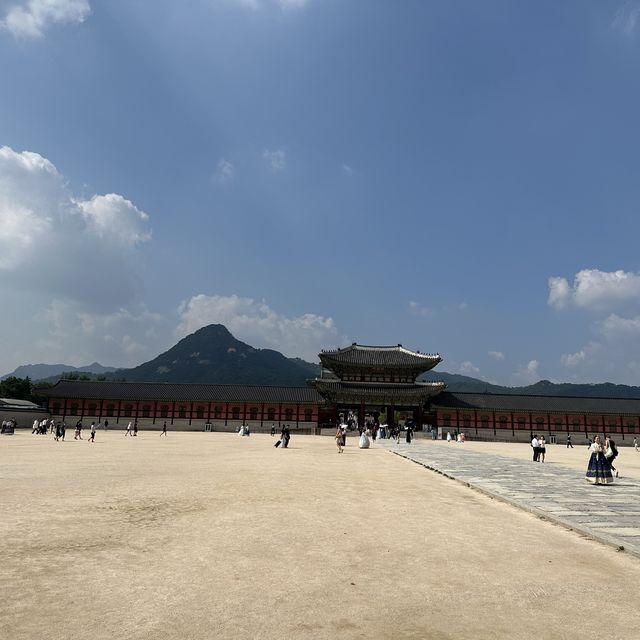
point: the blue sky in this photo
(455, 176)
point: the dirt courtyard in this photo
(201, 536)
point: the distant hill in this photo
(40, 371)
(212, 355)
(456, 382)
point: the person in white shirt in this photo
(535, 444)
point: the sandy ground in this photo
(627, 463)
(216, 536)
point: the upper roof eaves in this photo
(386, 356)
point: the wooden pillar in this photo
(155, 411)
(84, 400)
(262, 414)
(226, 413)
(119, 411)
(173, 411)
(244, 413)
(191, 413)
(297, 415)
(361, 415)
(100, 410)
(280, 415)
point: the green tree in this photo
(16, 388)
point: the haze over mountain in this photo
(41, 371)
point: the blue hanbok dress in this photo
(599, 469)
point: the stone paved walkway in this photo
(609, 513)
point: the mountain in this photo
(40, 371)
(456, 382)
(212, 355)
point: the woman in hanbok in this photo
(364, 441)
(599, 470)
(339, 438)
(448, 436)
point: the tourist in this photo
(535, 445)
(36, 427)
(164, 429)
(542, 448)
(635, 444)
(343, 428)
(93, 433)
(598, 471)
(611, 453)
(78, 433)
(286, 437)
(128, 431)
(273, 429)
(569, 441)
(448, 436)
(106, 424)
(135, 428)
(338, 438)
(363, 443)
(63, 430)
(409, 434)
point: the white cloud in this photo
(559, 292)
(420, 310)
(596, 290)
(257, 324)
(468, 367)
(573, 359)
(626, 17)
(225, 171)
(31, 18)
(496, 355)
(276, 160)
(66, 247)
(123, 338)
(528, 374)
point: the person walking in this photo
(93, 432)
(106, 424)
(611, 453)
(338, 438)
(128, 431)
(63, 430)
(635, 444)
(135, 428)
(164, 429)
(409, 434)
(598, 470)
(286, 438)
(569, 441)
(78, 434)
(273, 429)
(449, 436)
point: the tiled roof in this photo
(359, 355)
(543, 404)
(181, 392)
